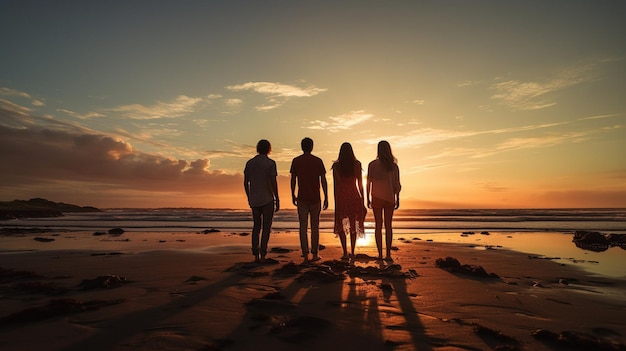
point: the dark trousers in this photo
(262, 224)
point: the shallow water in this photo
(541, 232)
(556, 246)
(552, 245)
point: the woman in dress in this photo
(350, 208)
(383, 195)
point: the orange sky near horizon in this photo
(117, 104)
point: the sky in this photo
(486, 104)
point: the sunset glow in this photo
(130, 104)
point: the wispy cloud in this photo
(233, 102)
(8, 92)
(417, 102)
(423, 136)
(492, 187)
(468, 83)
(88, 115)
(341, 122)
(277, 89)
(529, 95)
(180, 106)
(542, 141)
(9, 106)
(276, 93)
(453, 152)
(601, 116)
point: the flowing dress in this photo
(349, 206)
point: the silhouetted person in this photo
(350, 208)
(259, 181)
(308, 172)
(383, 194)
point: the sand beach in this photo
(189, 291)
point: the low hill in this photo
(39, 208)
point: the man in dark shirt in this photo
(308, 172)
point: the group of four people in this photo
(308, 175)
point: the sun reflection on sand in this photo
(367, 240)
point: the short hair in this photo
(263, 147)
(307, 144)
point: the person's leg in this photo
(378, 229)
(353, 236)
(256, 230)
(315, 210)
(388, 215)
(268, 215)
(342, 238)
(303, 217)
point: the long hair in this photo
(385, 155)
(346, 162)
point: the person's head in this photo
(385, 154)
(346, 152)
(346, 161)
(307, 144)
(263, 147)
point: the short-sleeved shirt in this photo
(260, 170)
(385, 184)
(308, 169)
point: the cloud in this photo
(277, 93)
(542, 141)
(19, 117)
(179, 107)
(277, 89)
(520, 95)
(455, 152)
(88, 115)
(468, 83)
(341, 122)
(600, 116)
(524, 95)
(492, 187)
(4, 91)
(8, 92)
(233, 102)
(13, 108)
(46, 157)
(422, 136)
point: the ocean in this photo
(405, 220)
(545, 233)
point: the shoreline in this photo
(551, 245)
(183, 295)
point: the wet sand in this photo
(159, 291)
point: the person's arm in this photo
(359, 184)
(397, 186)
(275, 192)
(368, 186)
(335, 186)
(293, 190)
(246, 185)
(325, 190)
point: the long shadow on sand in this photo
(118, 330)
(333, 305)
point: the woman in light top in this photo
(350, 208)
(383, 195)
